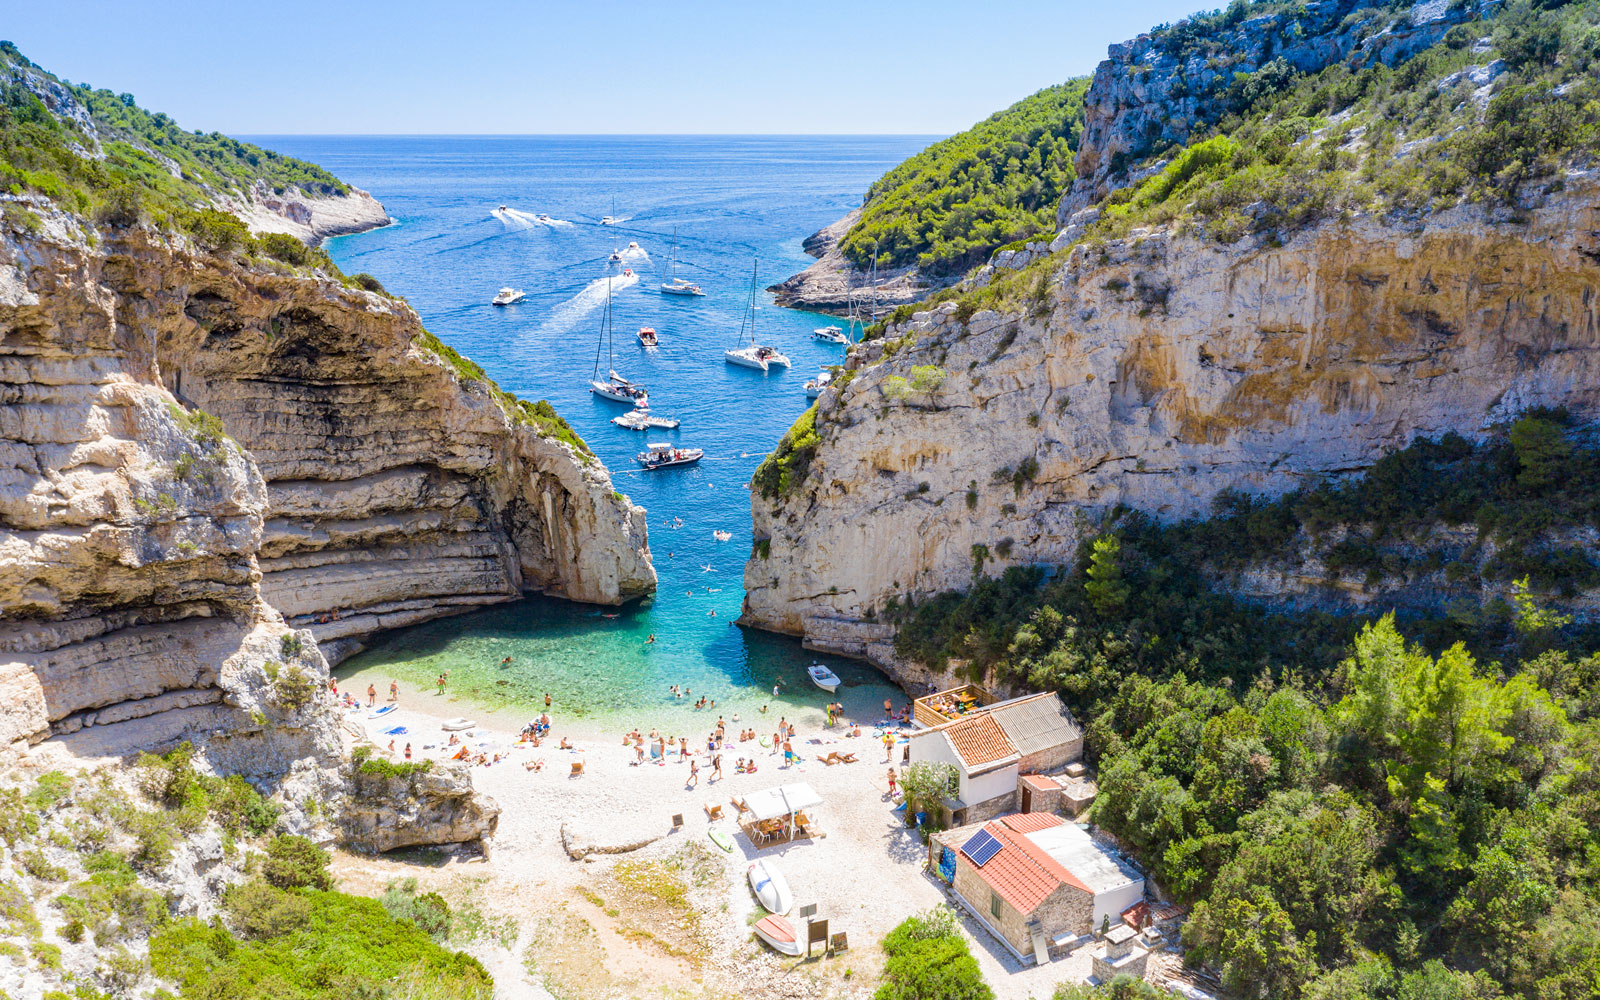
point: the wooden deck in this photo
(940, 707)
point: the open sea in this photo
(734, 202)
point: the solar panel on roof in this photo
(981, 847)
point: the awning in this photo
(771, 803)
(800, 796)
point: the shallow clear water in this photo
(731, 200)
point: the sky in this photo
(597, 66)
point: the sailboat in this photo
(610, 220)
(615, 386)
(753, 355)
(675, 285)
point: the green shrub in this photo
(929, 960)
(294, 862)
(368, 282)
(427, 910)
(51, 788)
(217, 231)
(781, 472)
(258, 909)
(383, 767)
(282, 246)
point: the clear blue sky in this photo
(458, 66)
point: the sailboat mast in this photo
(754, 264)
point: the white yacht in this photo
(509, 295)
(640, 419)
(610, 220)
(815, 386)
(753, 355)
(675, 285)
(831, 334)
(614, 386)
(659, 456)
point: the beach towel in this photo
(395, 731)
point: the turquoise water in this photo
(731, 200)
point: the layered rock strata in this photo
(209, 466)
(1156, 373)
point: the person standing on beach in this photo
(694, 772)
(372, 695)
(408, 751)
(440, 682)
(888, 746)
(892, 776)
(788, 752)
(716, 767)
(547, 701)
(394, 690)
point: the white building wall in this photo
(1112, 902)
(983, 787)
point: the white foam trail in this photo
(635, 253)
(593, 295)
(529, 219)
(512, 219)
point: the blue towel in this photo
(396, 731)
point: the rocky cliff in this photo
(1155, 91)
(1156, 371)
(833, 283)
(212, 462)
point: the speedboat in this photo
(509, 295)
(661, 455)
(502, 208)
(647, 336)
(543, 217)
(755, 356)
(621, 390)
(815, 386)
(770, 888)
(780, 934)
(680, 286)
(831, 334)
(823, 678)
(616, 256)
(606, 220)
(633, 244)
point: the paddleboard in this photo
(721, 839)
(380, 713)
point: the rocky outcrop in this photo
(310, 218)
(1157, 90)
(385, 812)
(208, 466)
(833, 282)
(1156, 373)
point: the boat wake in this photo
(593, 295)
(513, 219)
(634, 253)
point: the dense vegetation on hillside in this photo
(1350, 814)
(950, 206)
(149, 164)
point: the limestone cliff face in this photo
(1158, 374)
(157, 565)
(1155, 91)
(833, 283)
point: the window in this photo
(994, 905)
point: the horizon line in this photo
(601, 135)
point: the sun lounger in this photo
(738, 804)
(577, 768)
(846, 758)
(713, 810)
(831, 759)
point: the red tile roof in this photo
(1040, 783)
(979, 740)
(1021, 873)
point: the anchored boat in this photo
(662, 455)
(507, 296)
(815, 386)
(675, 285)
(753, 355)
(642, 420)
(831, 334)
(615, 386)
(823, 678)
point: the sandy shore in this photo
(865, 874)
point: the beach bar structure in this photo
(779, 814)
(949, 705)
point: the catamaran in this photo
(661, 455)
(753, 355)
(615, 386)
(675, 285)
(509, 295)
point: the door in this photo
(1027, 798)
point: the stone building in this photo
(994, 748)
(1034, 880)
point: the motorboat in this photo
(633, 246)
(606, 220)
(647, 336)
(823, 678)
(502, 208)
(771, 890)
(621, 390)
(613, 386)
(616, 256)
(662, 455)
(815, 386)
(642, 419)
(752, 354)
(507, 296)
(832, 334)
(543, 217)
(779, 934)
(675, 285)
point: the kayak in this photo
(823, 678)
(452, 725)
(720, 838)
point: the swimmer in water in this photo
(651, 639)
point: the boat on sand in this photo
(457, 724)
(780, 935)
(770, 888)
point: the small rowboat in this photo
(780, 934)
(823, 678)
(457, 724)
(770, 888)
